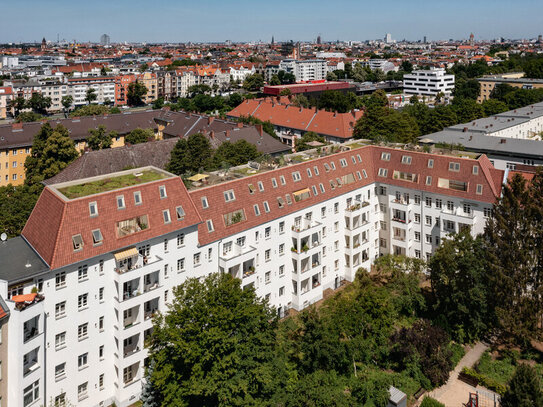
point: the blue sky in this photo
(244, 20)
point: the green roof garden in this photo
(111, 183)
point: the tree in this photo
(138, 136)
(99, 138)
(67, 102)
(25, 117)
(359, 73)
(333, 100)
(253, 82)
(286, 78)
(39, 103)
(136, 91)
(199, 89)
(524, 389)
(384, 124)
(469, 89)
(319, 389)
(158, 103)
(331, 76)
(514, 235)
(16, 204)
(274, 81)
(18, 104)
(103, 71)
(301, 144)
(460, 286)
(52, 151)
(91, 95)
(235, 154)
(89, 110)
(467, 109)
(215, 346)
(285, 92)
(143, 67)
(492, 107)
(190, 155)
(406, 66)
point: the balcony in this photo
(151, 282)
(357, 205)
(130, 259)
(303, 226)
(31, 329)
(24, 301)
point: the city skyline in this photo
(245, 22)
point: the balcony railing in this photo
(131, 350)
(150, 314)
(24, 301)
(30, 333)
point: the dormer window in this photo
(229, 195)
(251, 188)
(120, 202)
(210, 227)
(162, 191)
(97, 237)
(166, 216)
(137, 198)
(77, 241)
(180, 212)
(93, 209)
(475, 170)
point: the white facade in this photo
(88, 343)
(428, 83)
(305, 70)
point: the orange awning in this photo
(24, 297)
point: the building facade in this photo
(428, 82)
(104, 263)
(305, 70)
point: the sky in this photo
(253, 20)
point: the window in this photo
(229, 195)
(97, 237)
(282, 179)
(479, 190)
(417, 199)
(181, 265)
(281, 291)
(166, 216)
(205, 204)
(336, 226)
(196, 258)
(60, 309)
(326, 167)
(267, 232)
(180, 239)
(429, 239)
(82, 391)
(82, 272)
(439, 203)
(120, 202)
(31, 393)
(288, 199)
(82, 331)
(162, 191)
(353, 159)
(454, 166)
(257, 209)
(358, 175)
(274, 182)
(281, 227)
(77, 241)
(251, 188)
(450, 206)
(101, 352)
(60, 340)
(359, 158)
(267, 255)
(321, 187)
(240, 241)
(417, 236)
(260, 186)
(209, 224)
(60, 279)
(137, 198)
(475, 170)
(428, 201)
(82, 360)
(316, 170)
(406, 159)
(343, 162)
(280, 202)
(467, 209)
(314, 189)
(281, 248)
(266, 206)
(333, 165)
(93, 209)
(296, 176)
(364, 173)
(180, 212)
(383, 172)
(101, 323)
(487, 212)
(448, 225)
(82, 301)
(101, 294)
(336, 207)
(417, 217)
(428, 180)
(385, 156)
(431, 163)
(101, 381)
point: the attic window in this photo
(120, 202)
(321, 187)
(302, 195)
(406, 159)
(316, 170)
(383, 172)
(274, 182)
(309, 174)
(479, 190)
(296, 176)
(358, 175)
(251, 188)
(343, 162)
(365, 173)
(475, 170)
(428, 180)
(166, 215)
(137, 198)
(431, 163)
(257, 209)
(229, 195)
(77, 241)
(97, 237)
(385, 156)
(281, 202)
(266, 206)
(162, 191)
(333, 165)
(282, 179)
(326, 167)
(353, 159)
(260, 186)
(359, 158)
(454, 166)
(210, 227)
(288, 199)
(205, 204)
(93, 209)
(314, 189)
(180, 212)
(234, 217)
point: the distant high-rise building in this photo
(540, 38)
(471, 39)
(104, 39)
(273, 41)
(286, 48)
(388, 38)
(424, 39)
(319, 40)
(43, 44)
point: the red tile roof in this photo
(55, 220)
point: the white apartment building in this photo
(239, 73)
(305, 70)
(104, 88)
(428, 82)
(185, 80)
(104, 263)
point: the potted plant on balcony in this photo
(305, 248)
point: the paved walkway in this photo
(455, 392)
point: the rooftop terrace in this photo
(104, 183)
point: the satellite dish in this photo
(4, 237)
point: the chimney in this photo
(17, 126)
(210, 120)
(240, 125)
(259, 129)
(212, 134)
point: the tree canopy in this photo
(138, 136)
(136, 92)
(524, 389)
(190, 154)
(99, 138)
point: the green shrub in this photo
(430, 402)
(485, 381)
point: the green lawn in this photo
(109, 184)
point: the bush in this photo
(485, 381)
(430, 402)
